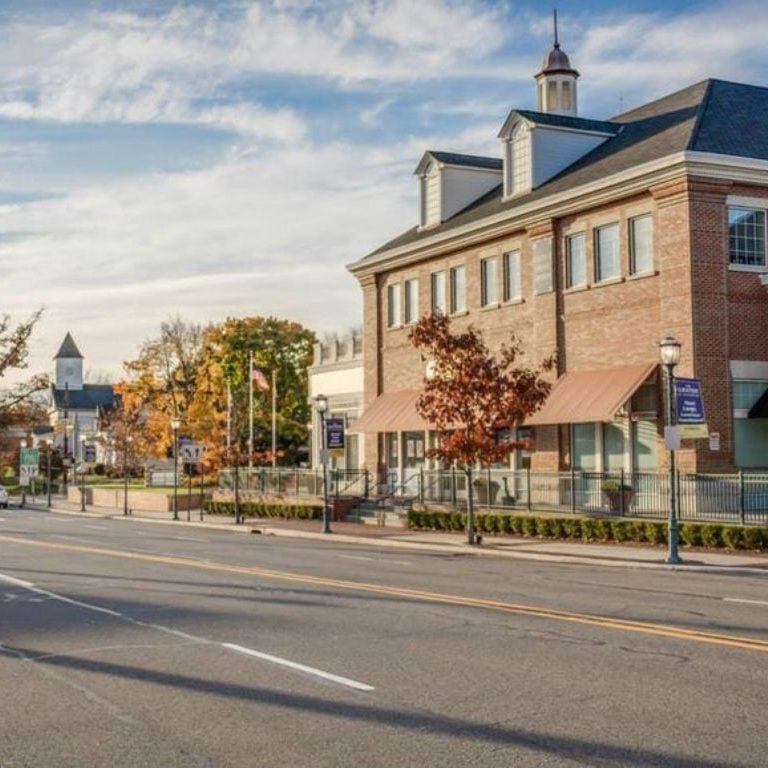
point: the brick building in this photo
(593, 239)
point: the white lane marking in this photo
(202, 640)
(189, 538)
(357, 557)
(2, 519)
(95, 527)
(300, 667)
(377, 559)
(742, 600)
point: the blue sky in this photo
(229, 157)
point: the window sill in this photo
(459, 313)
(643, 275)
(488, 307)
(513, 302)
(398, 327)
(754, 268)
(608, 281)
(577, 288)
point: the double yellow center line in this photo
(604, 622)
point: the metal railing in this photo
(736, 498)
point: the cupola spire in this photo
(556, 82)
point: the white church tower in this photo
(556, 82)
(69, 365)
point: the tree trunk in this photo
(470, 508)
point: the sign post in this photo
(192, 453)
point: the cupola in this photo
(556, 82)
(69, 365)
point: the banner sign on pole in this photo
(689, 403)
(334, 434)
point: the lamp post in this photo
(669, 352)
(22, 448)
(82, 473)
(175, 424)
(48, 448)
(68, 429)
(321, 406)
(126, 443)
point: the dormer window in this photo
(517, 161)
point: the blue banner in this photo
(689, 404)
(334, 434)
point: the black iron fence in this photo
(735, 498)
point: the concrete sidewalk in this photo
(608, 554)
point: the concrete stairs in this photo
(373, 512)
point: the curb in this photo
(447, 548)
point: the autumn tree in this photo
(470, 394)
(162, 380)
(19, 403)
(280, 346)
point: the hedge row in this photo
(266, 509)
(601, 529)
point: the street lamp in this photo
(669, 352)
(175, 424)
(66, 461)
(22, 448)
(82, 473)
(321, 406)
(126, 443)
(48, 447)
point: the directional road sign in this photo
(192, 453)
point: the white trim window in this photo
(437, 289)
(458, 279)
(607, 253)
(489, 290)
(393, 305)
(641, 245)
(746, 236)
(575, 260)
(412, 300)
(513, 285)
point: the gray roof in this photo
(710, 116)
(566, 121)
(470, 161)
(68, 348)
(90, 398)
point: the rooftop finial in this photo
(557, 42)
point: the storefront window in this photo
(645, 444)
(584, 447)
(413, 449)
(613, 447)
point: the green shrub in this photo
(505, 523)
(572, 528)
(656, 533)
(755, 538)
(516, 525)
(636, 530)
(604, 530)
(620, 530)
(558, 527)
(544, 528)
(457, 521)
(588, 529)
(691, 534)
(529, 526)
(712, 535)
(733, 537)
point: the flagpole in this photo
(274, 419)
(250, 410)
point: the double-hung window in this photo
(513, 289)
(607, 254)
(576, 260)
(489, 282)
(393, 305)
(412, 300)
(458, 289)
(641, 245)
(746, 236)
(437, 285)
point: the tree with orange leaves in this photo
(469, 395)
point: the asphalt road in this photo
(126, 643)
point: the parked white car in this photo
(3, 497)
